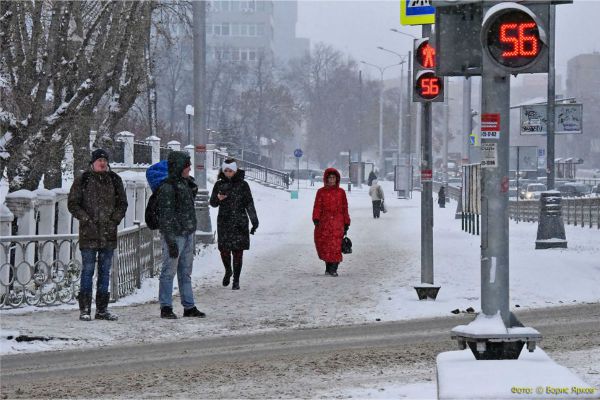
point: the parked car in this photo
(574, 189)
(596, 189)
(533, 191)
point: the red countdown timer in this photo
(513, 40)
(429, 86)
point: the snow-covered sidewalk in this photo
(283, 285)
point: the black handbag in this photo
(346, 245)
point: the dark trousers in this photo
(376, 208)
(237, 262)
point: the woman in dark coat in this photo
(232, 195)
(331, 219)
(442, 197)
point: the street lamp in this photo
(403, 59)
(189, 110)
(381, 71)
(403, 33)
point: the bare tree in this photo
(62, 61)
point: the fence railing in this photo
(576, 211)
(257, 172)
(45, 270)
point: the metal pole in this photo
(408, 122)
(298, 174)
(199, 37)
(518, 170)
(467, 128)
(551, 101)
(426, 193)
(381, 158)
(400, 120)
(495, 99)
(189, 141)
(445, 134)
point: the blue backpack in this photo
(156, 175)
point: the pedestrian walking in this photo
(377, 197)
(331, 219)
(372, 177)
(442, 197)
(232, 195)
(177, 226)
(97, 199)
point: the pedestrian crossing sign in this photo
(416, 12)
(473, 139)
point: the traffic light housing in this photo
(427, 86)
(514, 38)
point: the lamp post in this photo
(189, 110)
(401, 131)
(381, 71)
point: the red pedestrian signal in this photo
(427, 86)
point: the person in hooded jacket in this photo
(97, 199)
(442, 197)
(177, 226)
(377, 197)
(331, 219)
(371, 178)
(231, 193)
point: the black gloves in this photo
(346, 227)
(173, 250)
(316, 222)
(253, 229)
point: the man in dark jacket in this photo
(177, 225)
(97, 199)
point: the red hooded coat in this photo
(331, 210)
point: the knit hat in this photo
(99, 153)
(229, 164)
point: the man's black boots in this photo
(85, 306)
(102, 312)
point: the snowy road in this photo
(289, 363)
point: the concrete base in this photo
(532, 376)
(551, 228)
(427, 292)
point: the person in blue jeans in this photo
(97, 199)
(177, 226)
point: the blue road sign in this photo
(298, 153)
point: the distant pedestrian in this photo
(97, 199)
(312, 179)
(331, 219)
(371, 178)
(377, 197)
(177, 226)
(442, 197)
(232, 195)
(292, 175)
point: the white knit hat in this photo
(232, 166)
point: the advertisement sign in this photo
(489, 155)
(534, 119)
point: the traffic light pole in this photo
(495, 92)
(467, 128)
(426, 193)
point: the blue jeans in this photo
(181, 265)
(88, 260)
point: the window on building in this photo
(216, 30)
(260, 30)
(252, 30)
(225, 29)
(261, 5)
(235, 54)
(243, 29)
(251, 55)
(235, 29)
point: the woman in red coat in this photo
(331, 219)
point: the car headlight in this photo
(529, 195)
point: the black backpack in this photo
(151, 213)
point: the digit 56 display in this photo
(513, 38)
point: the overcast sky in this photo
(358, 27)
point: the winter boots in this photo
(331, 269)
(167, 313)
(237, 270)
(85, 306)
(102, 312)
(227, 276)
(193, 312)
